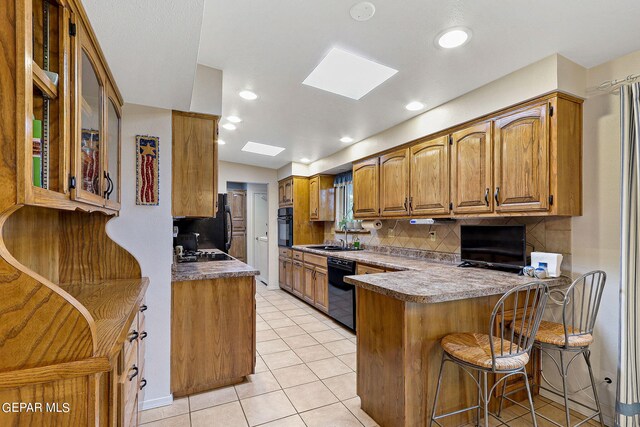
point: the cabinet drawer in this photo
(129, 384)
(284, 252)
(318, 260)
(368, 269)
(131, 341)
(297, 255)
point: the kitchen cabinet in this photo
(321, 198)
(368, 269)
(366, 188)
(297, 282)
(394, 183)
(238, 247)
(309, 283)
(472, 169)
(521, 160)
(194, 165)
(285, 273)
(213, 338)
(285, 192)
(429, 177)
(321, 289)
(237, 200)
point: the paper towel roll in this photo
(372, 225)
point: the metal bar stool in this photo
(571, 338)
(502, 351)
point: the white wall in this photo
(145, 231)
(236, 172)
(206, 96)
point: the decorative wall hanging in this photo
(147, 170)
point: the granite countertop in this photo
(430, 280)
(211, 270)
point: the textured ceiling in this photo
(272, 46)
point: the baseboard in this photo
(156, 403)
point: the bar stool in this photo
(502, 351)
(571, 338)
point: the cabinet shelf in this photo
(112, 303)
(43, 82)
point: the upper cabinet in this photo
(471, 170)
(194, 168)
(524, 160)
(394, 183)
(366, 184)
(285, 192)
(521, 156)
(321, 198)
(71, 109)
(429, 179)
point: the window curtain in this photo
(343, 179)
(628, 393)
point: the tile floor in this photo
(305, 376)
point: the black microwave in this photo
(285, 227)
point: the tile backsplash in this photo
(544, 234)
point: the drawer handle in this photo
(486, 197)
(135, 373)
(143, 383)
(143, 335)
(496, 196)
(143, 307)
(133, 336)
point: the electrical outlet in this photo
(432, 236)
(175, 231)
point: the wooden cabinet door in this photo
(308, 293)
(284, 273)
(471, 169)
(366, 195)
(280, 194)
(288, 281)
(321, 290)
(238, 204)
(429, 177)
(298, 279)
(194, 165)
(238, 247)
(288, 192)
(521, 160)
(394, 184)
(314, 198)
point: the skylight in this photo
(264, 149)
(349, 75)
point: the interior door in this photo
(471, 169)
(394, 183)
(261, 233)
(429, 182)
(366, 197)
(521, 156)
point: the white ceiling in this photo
(270, 47)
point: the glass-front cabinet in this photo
(72, 152)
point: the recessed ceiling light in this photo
(414, 106)
(346, 139)
(221, 142)
(362, 11)
(234, 119)
(305, 160)
(264, 149)
(247, 94)
(349, 75)
(453, 37)
(229, 126)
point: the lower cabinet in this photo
(368, 269)
(309, 283)
(285, 273)
(131, 382)
(321, 289)
(298, 279)
(238, 248)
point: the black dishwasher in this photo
(342, 296)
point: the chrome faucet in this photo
(343, 243)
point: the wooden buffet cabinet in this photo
(523, 160)
(72, 316)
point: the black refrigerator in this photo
(213, 233)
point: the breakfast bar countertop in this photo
(185, 271)
(430, 280)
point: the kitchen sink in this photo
(332, 248)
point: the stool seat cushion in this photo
(475, 349)
(553, 333)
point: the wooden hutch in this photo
(72, 313)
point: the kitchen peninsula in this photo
(213, 320)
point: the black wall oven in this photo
(285, 227)
(342, 296)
